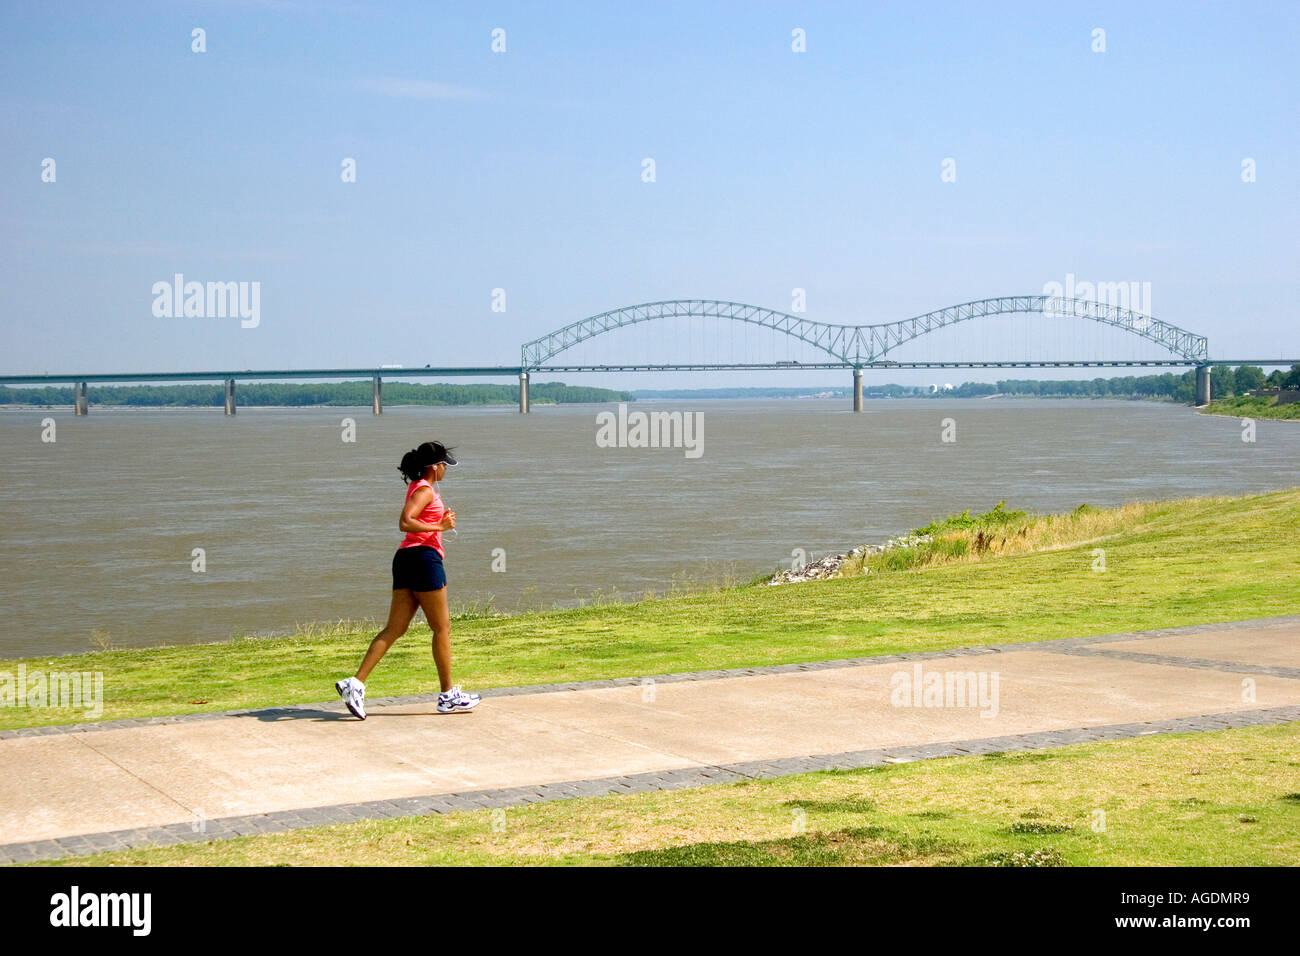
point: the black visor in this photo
(437, 453)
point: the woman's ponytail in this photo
(411, 468)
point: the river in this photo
(297, 525)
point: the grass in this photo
(1247, 406)
(964, 537)
(1167, 563)
(1223, 798)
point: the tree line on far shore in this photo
(313, 393)
(1225, 382)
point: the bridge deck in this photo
(512, 371)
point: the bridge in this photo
(845, 347)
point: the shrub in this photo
(1001, 516)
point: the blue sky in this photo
(522, 170)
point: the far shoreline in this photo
(8, 407)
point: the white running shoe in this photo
(353, 693)
(456, 700)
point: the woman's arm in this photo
(417, 503)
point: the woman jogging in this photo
(419, 581)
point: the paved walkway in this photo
(74, 790)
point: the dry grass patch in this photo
(966, 538)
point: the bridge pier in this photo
(857, 389)
(377, 401)
(1202, 385)
(523, 393)
(230, 396)
(80, 400)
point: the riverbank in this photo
(344, 394)
(965, 537)
(1254, 407)
(1160, 564)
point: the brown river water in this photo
(297, 525)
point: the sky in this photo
(523, 170)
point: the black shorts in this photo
(419, 569)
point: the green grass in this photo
(1223, 798)
(1246, 406)
(1169, 563)
(999, 531)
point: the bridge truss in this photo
(864, 345)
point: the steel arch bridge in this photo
(858, 345)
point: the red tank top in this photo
(431, 514)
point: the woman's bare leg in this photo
(400, 613)
(439, 616)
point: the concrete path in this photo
(162, 780)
